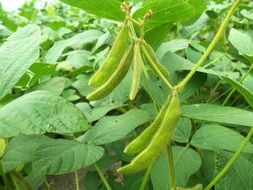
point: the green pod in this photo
(115, 77)
(137, 65)
(159, 141)
(113, 59)
(142, 141)
(153, 56)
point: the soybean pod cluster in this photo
(131, 51)
(127, 50)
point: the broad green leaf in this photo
(242, 42)
(183, 131)
(78, 58)
(81, 84)
(35, 179)
(39, 71)
(195, 83)
(113, 128)
(106, 9)
(218, 113)
(199, 7)
(216, 137)
(20, 150)
(155, 92)
(60, 156)
(244, 91)
(247, 14)
(176, 63)
(160, 173)
(94, 114)
(55, 52)
(165, 11)
(186, 163)
(158, 35)
(238, 177)
(55, 85)
(39, 112)
(172, 46)
(17, 54)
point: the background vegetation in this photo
(50, 129)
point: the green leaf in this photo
(94, 114)
(55, 85)
(186, 163)
(160, 173)
(113, 128)
(39, 112)
(216, 137)
(17, 54)
(20, 150)
(238, 177)
(55, 52)
(165, 11)
(242, 42)
(176, 63)
(55, 157)
(108, 9)
(172, 46)
(199, 6)
(183, 131)
(244, 91)
(218, 113)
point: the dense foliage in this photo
(48, 127)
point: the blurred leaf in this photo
(172, 46)
(165, 11)
(242, 42)
(218, 113)
(108, 9)
(94, 114)
(246, 93)
(17, 54)
(55, 52)
(199, 6)
(55, 85)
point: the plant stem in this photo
(214, 61)
(146, 177)
(231, 161)
(234, 89)
(102, 177)
(172, 179)
(217, 37)
(7, 183)
(170, 87)
(77, 180)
